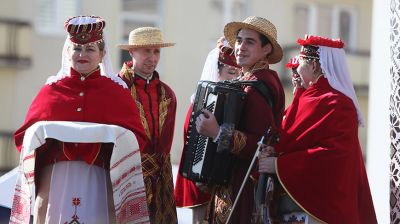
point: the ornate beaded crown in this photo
(85, 29)
(310, 45)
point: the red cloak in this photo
(320, 162)
(95, 99)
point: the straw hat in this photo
(145, 37)
(260, 25)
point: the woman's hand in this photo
(266, 150)
(267, 165)
(203, 187)
(266, 160)
(296, 80)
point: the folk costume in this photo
(156, 103)
(186, 193)
(83, 129)
(256, 117)
(320, 163)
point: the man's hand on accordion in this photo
(207, 125)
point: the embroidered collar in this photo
(147, 78)
(93, 74)
(261, 65)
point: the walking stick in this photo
(246, 177)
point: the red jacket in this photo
(257, 116)
(157, 108)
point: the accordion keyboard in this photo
(203, 141)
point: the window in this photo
(137, 13)
(301, 20)
(345, 25)
(231, 10)
(15, 43)
(324, 25)
(144, 6)
(52, 15)
(326, 20)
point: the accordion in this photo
(201, 162)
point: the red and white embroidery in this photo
(75, 202)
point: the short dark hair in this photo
(264, 40)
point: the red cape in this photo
(320, 162)
(103, 101)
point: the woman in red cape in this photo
(72, 177)
(319, 160)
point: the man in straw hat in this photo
(157, 106)
(220, 65)
(256, 46)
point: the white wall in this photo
(378, 146)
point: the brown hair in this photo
(101, 45)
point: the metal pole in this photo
(245, 179)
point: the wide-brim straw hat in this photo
(145, 37)
(260, 25)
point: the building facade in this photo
(32, 37)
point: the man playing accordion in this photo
(255, 46)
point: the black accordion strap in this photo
(265, 91)
(262, 88)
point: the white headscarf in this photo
(334, 65)
(105, 65)
(210, 69)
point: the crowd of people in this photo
(95, 145)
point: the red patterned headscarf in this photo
(227, 56)
(293, 63)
